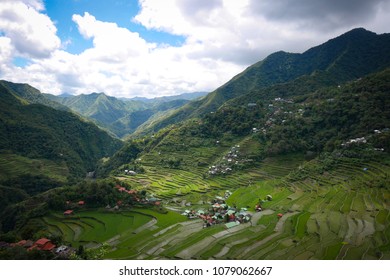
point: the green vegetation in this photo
(120, 117)
(305, 137)
(37, 131)
(90, 228)
(350, 56)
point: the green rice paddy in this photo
(338, 214)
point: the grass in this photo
(323, 206)
(300, 230)
(12, 166)
(317, 231)
(94, 226)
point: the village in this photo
(44, 245)
(221, 213)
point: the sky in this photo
(150, 48)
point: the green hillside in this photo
(288, 160)
(347, 57)
(32, 95)
(322, 155)
(36, 131)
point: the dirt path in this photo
(146, 226)
(256, 217)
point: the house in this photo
(68, 212)
(121, 189)
(43, 244)
(81, 203)
(258, 208)
(61, 249)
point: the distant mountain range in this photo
(120, 116)
(183, 96)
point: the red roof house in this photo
(48, 246)
(43, 244)
(81, 202)
(68, 212)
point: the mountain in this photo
(118, 116)
(32, 95)
(306, 123)
(298, 162)
(43, 147)
(317, 162)
(183, 96)
(345, 58)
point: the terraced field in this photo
(12, 166)
(92, 228)
(339, 214)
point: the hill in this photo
(322, 157)
(32, 95)
(42, 143)
(293, 163)
(345, 58)
(277, 124)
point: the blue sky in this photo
(119, 11)
(151, 48)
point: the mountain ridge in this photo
(120, 116)
(337, 60)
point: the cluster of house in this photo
(361, 140)
(277, 115)
(69, 204)
(136, 197)
(220, 213)
(42, 244)
(228, 161)
(279, 99)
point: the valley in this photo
(288, 160)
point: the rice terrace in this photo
(338, 214)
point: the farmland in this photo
(342, 213)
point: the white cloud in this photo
(32, 33)
(6, 50)
(222, 37)
(122, 63)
